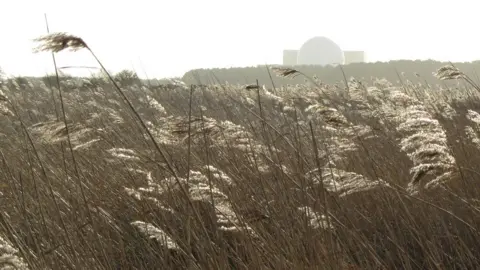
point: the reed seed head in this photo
(286, 72)
(449, 73)
(57, 42)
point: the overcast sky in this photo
(168, 38)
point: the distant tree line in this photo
(393, 71)
(124, 77)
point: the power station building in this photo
(321, 51)
(354, 57)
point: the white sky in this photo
(168, 38)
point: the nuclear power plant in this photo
(321, 51)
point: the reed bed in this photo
(118, 174)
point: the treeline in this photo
(124, 78)
(393, 71)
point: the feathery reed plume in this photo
(270, 96)
(328, 115)
(4, 110)
(139, 195)
(162, 133)
(444, 109)
(156, 233)
(248, 101)
(340, 136)
(474, 117)
(449, 73)
(199, 189)
(54, 131)
(57, 42)
(219, 175)
(425, 142)
(286, 72)
(400, 99)
(222, 134)
(113, 115)
(152, 102)
(473, 136)
(155, 189)
(423, 139)
(342, 182)
(123, 153)
(86, 145)
(3, 97)
(472, 131)
(9, 259)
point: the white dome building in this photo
(320, 51)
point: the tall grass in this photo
(313, 176)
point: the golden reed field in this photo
(113, 173)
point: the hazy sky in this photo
(168, 38)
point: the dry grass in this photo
(300, 177)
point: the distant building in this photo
(321, 51)
(354, 57)
(290, 57)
